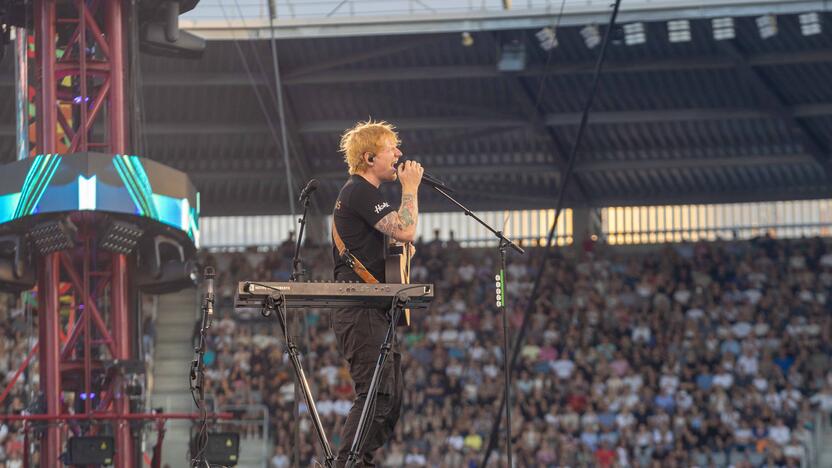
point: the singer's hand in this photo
(410, 176)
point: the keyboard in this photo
(332, 294)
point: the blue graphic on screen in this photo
(25, 202)
(88, 181)
(133, 175)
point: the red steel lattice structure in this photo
(87, 272)
(87, 79)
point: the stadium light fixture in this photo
(678, 31)
(810, 24)
(767, 25)
(634, 34)
(591, 35)
(723, 28)
(512, 57)
(548, 38)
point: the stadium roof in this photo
(748, 119)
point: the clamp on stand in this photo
(276, 303)
(372, 393)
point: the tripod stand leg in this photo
(294, 357)
(372, 393)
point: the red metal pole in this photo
(49, 356)
(110, 417)
(121, 339)
(47, 100)
(82, 62)
(19, 371)
(117, 109)
(119, 285)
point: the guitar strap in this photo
(351, 260)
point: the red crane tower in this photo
(89, 225)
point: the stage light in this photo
(164, 266)
(767, 25)
(678, 31)
(467, 39)
(723, 28)
(16, 270)
(810, 24)
(591, 35)
(634, 34)
(120, 237)
(547, 37)
(53, 236)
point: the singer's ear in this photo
(370, 158)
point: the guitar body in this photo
(397, 270)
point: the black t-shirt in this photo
(359, 207)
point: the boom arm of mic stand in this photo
(498, 234)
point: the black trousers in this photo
(360, 333)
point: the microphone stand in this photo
(198, 371)
(501, 300)
(298, 273)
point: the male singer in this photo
(363, 221)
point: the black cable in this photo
(197, 387)
(492, 439)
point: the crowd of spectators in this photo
(682, 355)
(14, 347)
(677, 355)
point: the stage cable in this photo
(260, 101)
(596, 77)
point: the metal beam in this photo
(559, 150)
(774, 102)
(762, 194)
(480, 19)
(569, 119)
(488, 201)
(391, 47)
(591, 165)
(183, 79)
(450, 123)
(189, 79)
(559, 69)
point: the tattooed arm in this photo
(401, 225)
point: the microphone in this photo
(209, 294)
(311, 186)
(431, 180)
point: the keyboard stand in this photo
(276, 303)
(372, 393)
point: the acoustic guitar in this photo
(397, 270)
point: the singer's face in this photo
(386, 159)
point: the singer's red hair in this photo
(365, 137)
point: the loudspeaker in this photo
(163, 267)
(223, 448)
(16, 270)
(91, 450)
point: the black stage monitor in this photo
(91, 450)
